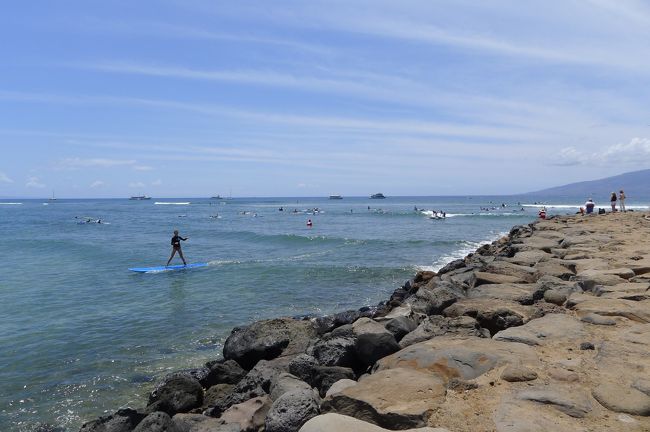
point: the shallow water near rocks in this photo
(82, 336)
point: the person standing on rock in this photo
(612, 200)
(176, 247)
(621, 200)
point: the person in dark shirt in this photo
(176, 247)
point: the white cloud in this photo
(136, 185)
(76, 163)
(97, 184)
(142, 168)
(34, 182)
(635, 152)
(4, 178)
(157, 182)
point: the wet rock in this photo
(393, 399)
(223, 372)
(124, 420)
(216, 392)
(332, 422)
(176, 395)
(268, 339)
(619, 398)
(454, 265)
(156, 422)
(291, 410)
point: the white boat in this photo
(377, 196)
(336, 197)
(140, 198)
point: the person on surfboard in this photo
(176, 247)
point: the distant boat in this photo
(336, 197)
(217, 197)
(140, 198)
(377, 196)
(52, 199)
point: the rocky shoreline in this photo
(545, 329)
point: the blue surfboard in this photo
(167, 268)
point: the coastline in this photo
(478, 331)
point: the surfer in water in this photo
(176, 247)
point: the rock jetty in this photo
(545, 329)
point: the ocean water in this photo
(81, 335)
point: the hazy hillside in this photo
(636, 183)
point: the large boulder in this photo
(620, 398)
(434, 298)
(332, 422)
(265, 340)
(492, 314)
(372, 341)
(547, 329)
(202, 423)
(524, 294)
(393, 399)
(401, 326)
(124, 420)
(285, 382)
(179, 394)
(459, 357)
(523, 273)
(157, 422)
(223, 372)
(437, 325)
(335, 351)
(292, 410)
(633, 310)
(249, 416)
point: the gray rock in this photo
(642, 385)
(556, 296)
(518, 373)
(587, 346)
(223, 372)
(619, 398)
(370, 347)
(433, 300)
(156, 422)
(291, 410)
(437, 325)
(491, 314)
(124, 420)
(336, 351)
(393, 399)
(400, 326)
(216, 392)
(285, 382)
(323, 377)
(302, 366)
(202, 423)
(265, 340)
(572, 403)
(180, 394)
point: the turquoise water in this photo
(82, 336)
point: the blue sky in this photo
(311, 98)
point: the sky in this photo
(185, 98)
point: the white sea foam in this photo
(10, 203)
(171, 203)
(467, 248)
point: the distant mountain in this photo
(635, 183)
